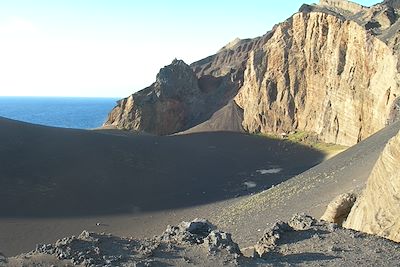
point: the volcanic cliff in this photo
(330, 69)
(377, 210)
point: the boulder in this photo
(339, 208)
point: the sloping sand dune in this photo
(309, 192)
(53, 179)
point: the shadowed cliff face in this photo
(377, 210)
(177, 101)
(331, 69)
(162, 107)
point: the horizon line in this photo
(60, 96)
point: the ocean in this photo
(66, 112)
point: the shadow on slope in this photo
(49, 172)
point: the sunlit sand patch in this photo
(269, 171)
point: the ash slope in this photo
(246, 216)
(65, 173)
(309, 192)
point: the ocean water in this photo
(67, 112)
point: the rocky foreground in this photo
(302, 240)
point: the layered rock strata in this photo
(331, 69)
(320, 73)
(338, 210)
(377, 211)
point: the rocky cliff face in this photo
(331, 69)
(377, 211)
(184, 96)
(162, 107)
(343, 5)
(320, 73)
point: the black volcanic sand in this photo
(310, 192)
(59, 175)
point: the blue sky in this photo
(116, 47)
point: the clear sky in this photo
(116, 47)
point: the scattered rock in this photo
(270, 238)
(218, 240)
(192, 232)
(301, 222)
(3, 258)
(302, 240)
(249, 184)
(249, 252)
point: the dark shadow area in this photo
(55, 172)
(301, 235)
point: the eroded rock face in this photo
(342, 4)
(195, 238)
(179, 99)
(338, 210)
(331, 69)
(377, 211)
(162, 108)
(319, 73)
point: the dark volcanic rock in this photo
(192, 232)
(271, 238)
(303, 241)
(198, 237)
(218, 240)
(91, 249)
(2, 258)
(200, 231)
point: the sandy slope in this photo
(56, 182)
(246, 217)
(309, 192)
(228, 118)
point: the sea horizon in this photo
(80, 112)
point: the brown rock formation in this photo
(163, 107)
(319, 73)
(342, 4)
(377, 211)
(338, 210)
(331, 69)
(178, 100)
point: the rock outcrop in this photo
(330, 69)
(200, 231)
(320, 73)
(166, 106)
(377, 211)
(343, 4)
(303, 241)
(338, 210)
(189, 243)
